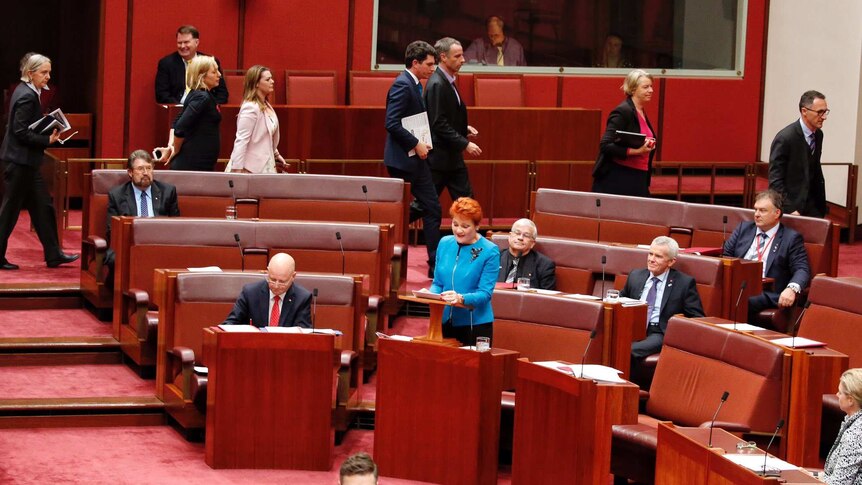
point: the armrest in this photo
(98, 248)
(348, 357)
(246, 201)
(186, 358)
(768, 284)
(139, 301)
(372, 317)
(398, 266)
(148, 333)
(346, 377)
(681, 230)
(643, 396)
(728, 426)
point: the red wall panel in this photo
(111, 115)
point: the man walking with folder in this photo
(405, 156)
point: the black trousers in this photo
(422, 188)
(466, 335)
(456, 180)
(622, 180)
(25, 189)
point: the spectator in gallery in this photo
(496, 49)
(611, 54)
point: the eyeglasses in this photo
(142, 169)
(526, 235)
(820, 112)
(277, 282)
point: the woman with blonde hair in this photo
(844, 461)
(194, 140)
(255, 149)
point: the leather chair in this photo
(190, 302)
(311, 88)
(234, 84)
(499, 91)
(370, 88)
(699, 362)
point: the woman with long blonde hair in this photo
(255, 149)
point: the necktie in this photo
(650, 298)
(276, 312)
(511, 276)
(145, 212)
(500, 61)
(811, 143)
(762, 242)
(419, 90)
(456, 93)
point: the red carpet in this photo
(52, 323)
(26, 251)
(72, 381)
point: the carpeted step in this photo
(51, 323)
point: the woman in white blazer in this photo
(255, 149)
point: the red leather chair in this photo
(311, 88)
(370, 88)
(497, 91)
(234, 83)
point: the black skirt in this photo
(622, 180)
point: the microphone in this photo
(738, 299)
(795, 327)
(241, 252)
(766, 453)
(712, 424)
(723, 231)
(584, 357)
(367, 204)
(604, 262)
(313, 307)
(599, 217)
(341, 245)
(517, 269)
(232, 192)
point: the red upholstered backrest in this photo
(835, 315)
(547, 327)
(501, 92)
(312, 88)
(700, 361)
(102, 181)
(370, 88)
(234, 83)
(706, 223)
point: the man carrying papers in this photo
(274, 302)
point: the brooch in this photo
(474, 253)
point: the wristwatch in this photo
(795, 287)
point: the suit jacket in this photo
(471, 271)
(21, 145)
(624, 118)
(171, 80)
(787, 262)
(403, 100)
(796, 173)
(122, 202)
(448, 120)
(535, 265)
(680, 294)
(252, 307)
(254, 146)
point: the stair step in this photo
(83, 411)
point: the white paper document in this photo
(51, 121)
(419, 127)
(402, 338)
(205, 269)
(203, 370)
(545, 292)
(427, 294)
(590, 371)
(743, 327)
(578, 296)
(799, 342)
(238, 328)
(754, 462)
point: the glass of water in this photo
(230, 212)
(483, 344)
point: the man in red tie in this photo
(274, 302)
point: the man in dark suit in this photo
(404, 154)
(274, 302)
(520, 261)
(22, 152)
(666, 292)
(171, 73)
(141, 196)
(779, 248)
(794, 159)
(447, 115)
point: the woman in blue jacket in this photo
(465, 273)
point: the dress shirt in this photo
(659, 293)
(149, 192)
(451, 80)
(809, 135)
(272, 301)
(751, 255)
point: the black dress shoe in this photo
(8, 266)
(63, 259)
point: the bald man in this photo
(275, 302)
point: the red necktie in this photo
(276, 312)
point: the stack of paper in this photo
(589, 371)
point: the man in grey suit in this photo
(794, 159)
(447, 116)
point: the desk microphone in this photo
(604, 262)
(766, 453)
(712, 424)
(517, 268)
(341, 245)
(367, 204)
(738, 299)
(313, 307)
(232, 192)
(584, 357)
(723, 231)
(599, 217)
(241, 252)
(795, 328)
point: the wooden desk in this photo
(269, 400)
(683, 458)
(563, 426)
(814, 372)
(438, 412)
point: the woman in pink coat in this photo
(255, 149)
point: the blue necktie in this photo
(650, 298)
(144, 211)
